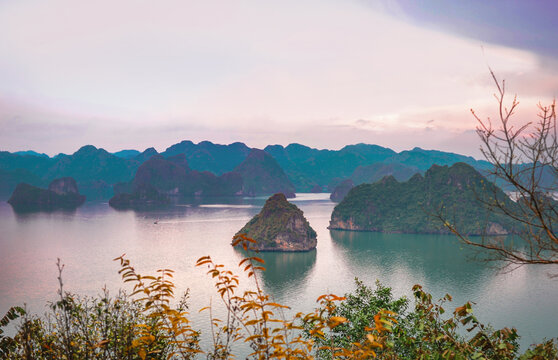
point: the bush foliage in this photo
(150, 323)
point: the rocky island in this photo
(61, 194)
(158, 178)
(341, 190)
(456, 192)
(280, 226)
(143, 196)
(262, 175)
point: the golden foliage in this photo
(151, 324)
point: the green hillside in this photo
(412, 207)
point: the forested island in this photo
(280, 226)
(457, 194)
(279, 180)
(61, 194)
(159, 178)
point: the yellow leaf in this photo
(260, 260)
(338, 319)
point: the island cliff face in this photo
(95, 170)
(64, 186)
(369, 174)
(61, 194)
(164, 175)
(341, 190)
(412, 206)
(262, 175)
(280, 226)
(158, 178)
(143, 196)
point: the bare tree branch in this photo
(524, 158)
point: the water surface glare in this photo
(88, 239)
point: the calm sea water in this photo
(88, 239)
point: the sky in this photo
(131, 74)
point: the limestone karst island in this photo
(280, 226)
(279, 179)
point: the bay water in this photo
(89, 238)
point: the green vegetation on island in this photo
(61, 194)
(367, 174)
(143, 196)
(280, 226)
(95, 170)
(374, 172)
(262, 175)
(308, 167)
(158, 178)
(207, 156)
(341, 190)
(456, 193)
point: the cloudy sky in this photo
(133, 74)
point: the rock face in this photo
(154, 180)
(61, 194)
(143, 197)
(64, 186)
(95, 170)
(341, 190)
(375, 172)
(412, 206)
(280, 226)
(158, 178)
(369, 174)
(163, 175)
(307, 166)
(262, 175)
(207, 156)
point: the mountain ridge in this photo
(97, 171)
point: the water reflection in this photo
(284, 271)
(435, 261)
(190, 201)
(23, 214)
(216, 200)
(88, 239)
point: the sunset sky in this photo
(325, 73)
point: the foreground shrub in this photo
(150, 323)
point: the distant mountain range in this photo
(158, 178)
(30, 152)
(97, 171)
